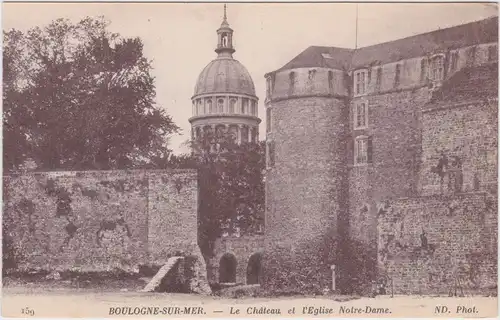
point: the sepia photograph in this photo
(241, 160)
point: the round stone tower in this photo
(224, 96)
(306, 181)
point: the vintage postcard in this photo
(244, 160)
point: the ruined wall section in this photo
(466, 135)
(430, 244)
(96, 220)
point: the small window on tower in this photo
(360, 82)
(232, 104)
(360, 115)
(330, 80)
(363, 150)
(244, 106)
(269, 119)
(397, 76)
(423, 69)
(292, 81)
(224, 39)
(270, 154)
(220, 105)
(437, 68)
(254, 108)
(209, 106)
(492, 53)
(378, 84)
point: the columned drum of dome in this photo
(224, 98)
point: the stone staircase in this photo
(162, 273)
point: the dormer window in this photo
(437, 68)
(360, 79)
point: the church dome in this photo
(224, 75)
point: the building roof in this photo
(469, 84)
(469, 34)
(224, 75)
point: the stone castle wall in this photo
(242, 248)
(393, 127)
(430, 244)
(100, 220)
(305, 192)
(468, 131)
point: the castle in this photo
(381, 164)
(381, 169)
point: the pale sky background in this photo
(180, 38)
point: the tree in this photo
(231, 184)
(80, 97)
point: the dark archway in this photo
(227, 269)
(254, 269)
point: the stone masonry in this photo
(351, 130)
(100, 220)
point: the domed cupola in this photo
(224, 95)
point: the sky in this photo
(180, 38)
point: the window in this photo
(233, 130)
(244, 134)
(423, 69)
(363, 150)
(330, 80)
(437, 68)
(268, 86)
(360, 82)
(220, 105)
(244, 106)
(232, 103)
(254, 108)
(292, 81)
(270, 154)
(360, 115)
(268, 119)
(209, 106)
(471, 56)
(397, 76)
(492, 53)
(379, 78)
(254, 134)
(200, 107)
(454, 61)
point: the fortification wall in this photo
(428, 243)
(305, 192)
(100, 220)
(467, 132)
(241, 248)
